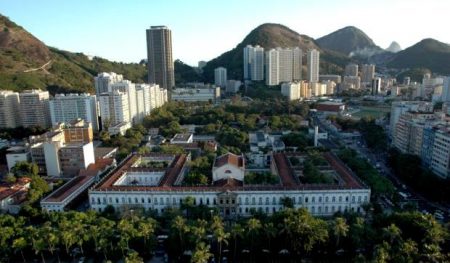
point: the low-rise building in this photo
(138, 183)
(199, 94)
(120, 128)
(17, 154)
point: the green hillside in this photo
(428, 53)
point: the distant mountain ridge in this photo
(348, 41)
(428, 53)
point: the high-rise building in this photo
(254, 63)
(376, 86)
(129, 88)
(446, 90)
(351, 70)
(34, 108)
(220, 77)
(104, 80)
(285, 63)
(272, 67)
(9, 109)
(351, 82)
(114, 108)
(367, 73)
(69, 107)
(297, 64)
(159, 53)
(313, 59)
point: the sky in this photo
(204, 29)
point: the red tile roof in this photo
(229, 158)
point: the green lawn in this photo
(372, 111)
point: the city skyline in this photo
(50, 20)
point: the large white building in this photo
(114, 108)
(69, 107)
(291, 90)
(446, 90)
(190, 94)
(34, 108)
(254, 63)
(128, 88)
(313, 60)
(283, 65)
(135, 184)
(220, 77)
(272, 67)
(104, 80)
(9, 109)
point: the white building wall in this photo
(318, 202)
(272, 68)
(313, 58)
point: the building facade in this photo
(34, 108)
(9, 109)
(253, 63)
(70, 107)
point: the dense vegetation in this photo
(377, 183)
(409, 169)
(195, 234)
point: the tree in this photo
(340, 229)
(236, 232)
(146, 229)
(287, 202)
(179, 225)
(305, 231)
(201, 253)
(19, 244)
(133, 257)
(253, 227)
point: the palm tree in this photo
(236, 232)
(270, 231)
(222, 237)
(201, 253)
(253, 226)
(146, 228)
(19, 244)
(179, 225)
(340, 229)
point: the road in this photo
(40, 68)
(380, 161)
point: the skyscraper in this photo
(104, 80)
(159, 54)
(367, 73)
(254, 63)
(272, 67)
(285, 56)
(351, 70)
(220, 77)
(313, 57)
(297, 64)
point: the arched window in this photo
(227, 171)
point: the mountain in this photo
(271, 36)
(349, 41)
(394, 47)
(428, 53)
(26, 62)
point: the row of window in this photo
(247, 200)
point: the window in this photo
(306, 199)
(161, 200)
(117, 200)
(320, 199)
(260, 200)
(253, 201)
(143, 200)
(274, 200)
(359, 199)
(123, 200)
(313, 199)
(136, 200)
(104, 200)
(346, 199)
(267, 200)
(110, 200)
(240, 201)
(93, 200)
(319, 209)
(246, 200)
(227, 171)
(326, 198)
(326, 209)
(353, 199)
(313, 209)
(149, 200)
(299, 199)
(207, 201)
(340, 200)
(333, 199)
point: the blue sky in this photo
(204, 29)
